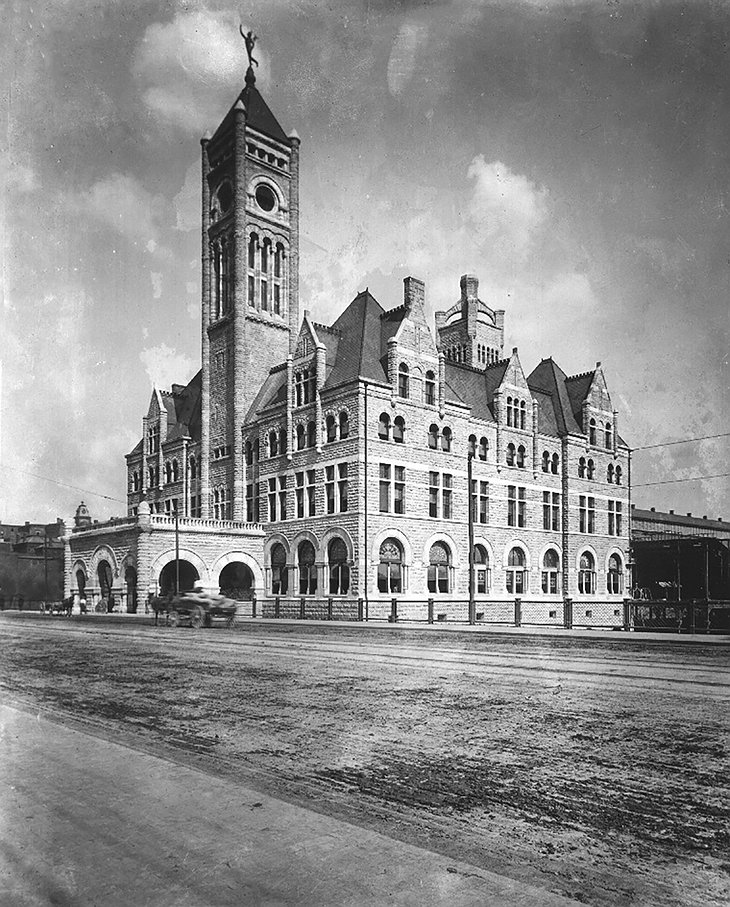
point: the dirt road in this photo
(594, 769)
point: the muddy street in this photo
(593, 768)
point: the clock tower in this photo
(250, 298)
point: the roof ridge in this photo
(327, 327)
(465, 365)
(591, 371)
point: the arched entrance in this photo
(104, 573)
(81, 583)
(189, 576)
(236, 581)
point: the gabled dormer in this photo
(412, 354)
(513, 402)
(592, 408)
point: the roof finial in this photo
(250, 40)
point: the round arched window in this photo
(265, 198)
(225, 196)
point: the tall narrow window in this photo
(582, 468)
(265, 246)
(342, 487)
(481, 570)
(331, 428)
(587, 574)
(282, 497)
(272, 499)
(609, 436)
(439, 564)
(591, 515)
(434, 486)
(511, 452)
(618, 474)
(338, 569)
(264, 295)
(430, 389)
(446, 439)
(483, 448)
(516, 580)
(384, 427)
(311, 494)
(301, 437)
(277, 299)
(609, 474)
(510, 417)
(390, 567)
(399, 429)
(307, 569)
(592, 432)
(471, 446)
(545, 461)
(403, 380)
(279, 571)
(329, 488)
(550, 567)
(521, 457)
(555, 464)
(311, 433)
(344, 425)
(273, 443)
(299, 479)
(523, 411)
(551, 510)
(591, 469)
(385, 469)
(399, 489)
(480, 501)
(614, 577)
(433, 436)
(447, 496)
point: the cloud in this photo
(165, 366)
(185, 67)
(505, 207)
(122, 203)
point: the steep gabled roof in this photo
(361, 349)
(468, 385)
(272, 392)
(258, 113)
(551, 380)
(578, 387)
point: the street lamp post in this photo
(470, 504)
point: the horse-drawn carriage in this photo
(197, 608)
(63, 606)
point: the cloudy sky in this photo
(576, 156)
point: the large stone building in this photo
(326, 468)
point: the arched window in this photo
(331, 426)
(545, 461)
(168, 472)
(555, 464)
(614, 577)
(390, 567)
(516, 572)
(618, 475)
(609, 474)
(609, 436)
(587, 574)
(439, 569)
(582, 468)
(135, 481)
(591, 469)
(301, 437)
(510, 454)
(265, 246)
(151, 476)
(550, 568)
(521, 457)
(344, 425)
(403, 385)
(483, 448)
(592, 432)
(193, 467)
(175, 470)
(248, 452)
(481, 570)
(430, 393)
(446, 439)
(523, 411)
(252, 243)
(273, 444)
(510, 416)
(384, 427)
(433, 437)
(338, 568)
(307, 568)
(399, 429)
(279, 571)
(311, 434)
(283, 441)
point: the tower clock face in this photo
(265, 198)
(225, 197)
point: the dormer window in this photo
(304, 387)
(430, 389)
(609, 436)
(592, 432)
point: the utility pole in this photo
(177, 550)
(470, 504)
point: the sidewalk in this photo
(84, 821)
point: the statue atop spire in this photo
(250, 40)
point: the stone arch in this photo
(487, 545)
(80, 565)
(276, 538)
(582, 549)
(341, 533)
(387, 534)
(450, 544)
(167, 557)
(516, 542)
(104, 553)
(306, 535)
(241, 557)
(554, 546)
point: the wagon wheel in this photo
(173, 619)
(197, 617)
(231, 622)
